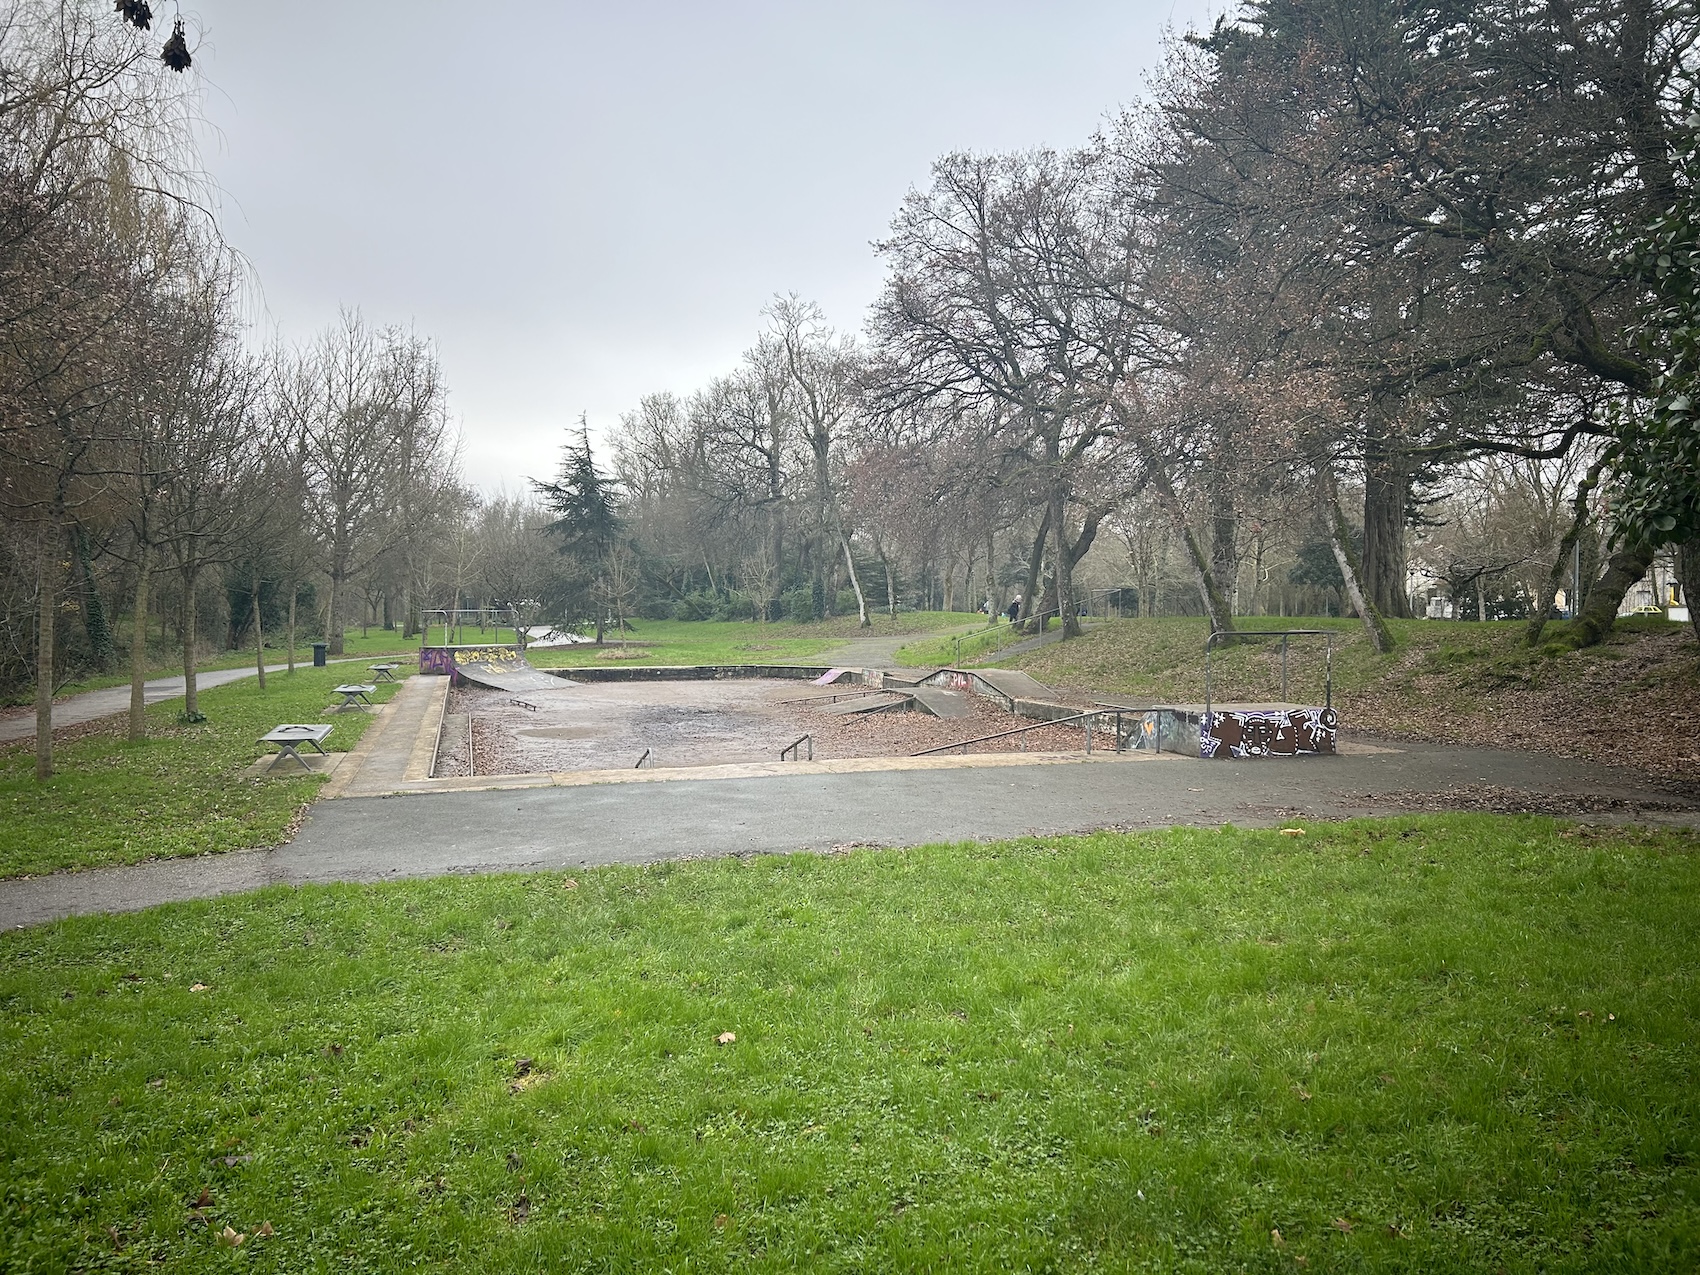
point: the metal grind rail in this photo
(1089, 718)
(794, 747)
(648, 759)
(1283, 634)
(833, 699)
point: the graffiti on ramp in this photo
(503, 668)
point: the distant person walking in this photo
(1015, 608)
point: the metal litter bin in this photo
(319, 649)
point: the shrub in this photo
(799, 605)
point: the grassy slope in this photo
(1445, 681)
(742, 642)
(177, 793)
(1441, 1044)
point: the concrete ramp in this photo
(942, 703)
(1004, 685)
(504, 669)
(1014, 685)
(830, 676)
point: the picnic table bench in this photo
(290, 738)
(353, 695)
(382, 672)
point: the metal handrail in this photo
(1088, 717)
(993, 628)
(648, 756)
(1283, 634)
(836, 696)
(795, 744)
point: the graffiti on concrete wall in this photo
(442, 659)
(437, 659)
(1268, 732)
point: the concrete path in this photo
(362, 839)
(89, 706)
(881, 652)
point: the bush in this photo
(799, 605)
(846, 604)
(735, 606)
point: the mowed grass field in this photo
(179, 792)
(741, 641)
(1458, 1043)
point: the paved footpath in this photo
(89, 706)
(377, 838)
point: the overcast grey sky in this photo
(585, 203)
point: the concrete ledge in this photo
(757, 770)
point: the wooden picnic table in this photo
(289, 739)
(382, 672)
(353, 695)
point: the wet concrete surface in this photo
(610, 725)
(364, 839)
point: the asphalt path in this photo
(387, 838)
(88, 706)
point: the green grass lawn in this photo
(179, 792)
(1459, 1043)
(740, 641)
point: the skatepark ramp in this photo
(496, 668)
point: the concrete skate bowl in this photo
(504, 719)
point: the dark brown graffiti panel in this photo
(1268, 733)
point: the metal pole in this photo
(1284, 668)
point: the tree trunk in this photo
(1032, 605)
(139, 646)
(259, 638)
(1340, 541)
(1065, 567)
(47, 603)
(1688, 572)
(890, 588)
(333, 627)
(1386, 492)
(855, 583)
(293, 590)
(1481, 600)
(1599, 612)
(191, 695)
(1224, 532)
(1561, 564)
(1216, 609)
